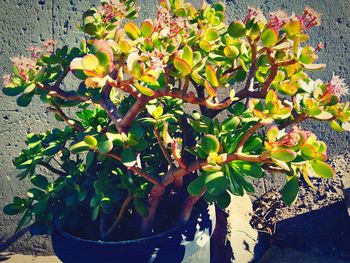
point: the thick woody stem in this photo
(119, 217)
(153, 201)
(135, 109)
(250, 80)
(272, 75)
(9, 242)
(110, 108)
(188, 207)
(296, 120)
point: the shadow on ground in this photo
(321, 235)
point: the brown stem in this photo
(61, 78)
(296, 120)
(247, 135)
(52, 169)
(110, 108)
(250, 80)
(120, 216)
(135, 109)
(272, 75)
(68, 120)
(153, 201)
(188, 207)
(57, 92)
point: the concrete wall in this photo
(27, 22)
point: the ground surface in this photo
(315, 229)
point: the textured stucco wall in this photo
(27, 22)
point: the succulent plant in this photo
(132, 138)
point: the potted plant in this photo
(135, 166)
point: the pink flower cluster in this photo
(255, 14)
(168, 25)
(111, 11)
(48, 46)
(277, 19)
(310, 18)
(24, 65)
(337, 86)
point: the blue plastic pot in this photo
(187, 243)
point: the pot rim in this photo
(210, 209)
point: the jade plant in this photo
(144, 143)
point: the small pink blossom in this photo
(310, 18)
(167, 24)
(6, 79)
(111, 11)
(24, 65)
(337, 86)
(277, 19)
(293, 137)
(49, 45)
(255, 14)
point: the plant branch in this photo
(64, 117)
(110, 108)
(9, 242)
(188, 207)
(120, 216)
(272, 75)
(59, 93)
(52, 169)
(136, 170)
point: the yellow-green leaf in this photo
(182, 66)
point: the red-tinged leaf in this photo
(205, 45)
(182, 66)
(211, 76)
(272, 133)
(271, 96)
(77, 68)
(306, 177)
(90, 62)
(211, 91)
(132, 31)
(147, 28)
(187, 54)
(308, 151)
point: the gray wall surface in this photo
(27, 22)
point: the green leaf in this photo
(141, 207)
(106, 205)
(269, 37)
(13, 91)
(51, 149)
(253, 144)
(248, 169)
(79, 147)
(290, 191)
(35, 193)
(105, 146)
(230, 124)
(284, 155)
(39, 181)
(224, 200)
(211, 34)
(24, 100)
(95, 212)
(322, 169)
(210, 144)
(308, 151)
(90, 140)
(146, 28)
(12, 209)
(188, 54)
(128, 156)
(196, 186)
(216, 183)
(40, 207)
(236, 29)
(182, 66)
(144, 90)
